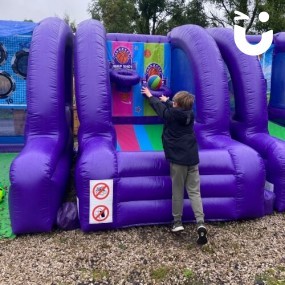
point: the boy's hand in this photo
(146, 92)
(163, 98)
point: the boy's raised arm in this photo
(160, 108)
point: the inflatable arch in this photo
(120, 186)
(39, 174)
(249, 124)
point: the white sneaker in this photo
(177, 227)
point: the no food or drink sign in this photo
(101, 201)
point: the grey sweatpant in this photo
(188, 177)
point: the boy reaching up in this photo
(181, 150)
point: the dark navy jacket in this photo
(178, 138)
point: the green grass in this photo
(99, 275)
(191, 278)
(5, 223)
(159, 274)
(271, 277)
(188, 273)
(276, 130)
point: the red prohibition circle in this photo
(103, 211)
(97, 194)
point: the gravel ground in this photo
(247, 252)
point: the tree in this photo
(152, 14)
(69, 22)
(147, 16)
(252, 8)
(195, 13)
(276, 11)
(184, 12)
(227, 8)
(129, 16)
(117, 15)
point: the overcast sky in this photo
(37, 10)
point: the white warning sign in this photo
(101, 201)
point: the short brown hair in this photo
(184, 100)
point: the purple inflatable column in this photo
(39, 174)
(97, 157)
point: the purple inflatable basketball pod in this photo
(118, 188)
